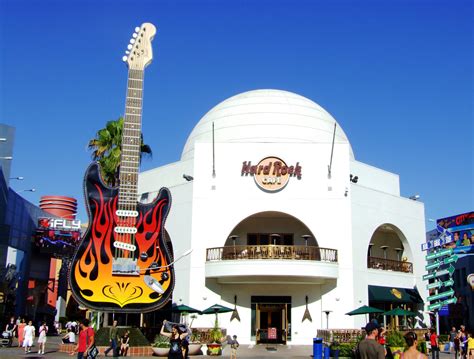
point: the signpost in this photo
(439, 264)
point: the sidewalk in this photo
(244, 351)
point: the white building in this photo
(276, 245)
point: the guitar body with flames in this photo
(92, 277)
(123, 263)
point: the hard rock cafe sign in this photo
(271, 174)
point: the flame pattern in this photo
(91, 279)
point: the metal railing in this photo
(272, 252)
(389, 264)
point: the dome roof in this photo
(265, 116)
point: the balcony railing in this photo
(272, 252)
(389, 264)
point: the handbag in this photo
(93, 352)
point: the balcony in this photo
(271, 264)
(389, 264)
(272, 252)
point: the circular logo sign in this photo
(272, 174)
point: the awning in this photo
(394, 295)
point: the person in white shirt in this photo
(70, 337)
(43, 330)
(28, 335)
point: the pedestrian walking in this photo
(434, 344)
(233, 347)
(21, 331)
(86, 339)
(42, 331)
(113, 340)
(29, 335)
(369, 348)
(452, 335)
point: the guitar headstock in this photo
(140, 53)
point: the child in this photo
(234, 345)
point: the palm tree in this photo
(107, 148)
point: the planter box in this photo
(161, 352)
(194, 349)
(214, 349)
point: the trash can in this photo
(327, 351)
(317, 348)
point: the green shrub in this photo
(346, 349)
(395, 339)
(421, 347)
(443, 338)
(161, 342)
(137, 339)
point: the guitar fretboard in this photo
(131, 141)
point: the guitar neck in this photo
(131, 141)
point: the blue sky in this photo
(397, 76)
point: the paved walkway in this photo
(244, 351)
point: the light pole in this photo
(327, 317)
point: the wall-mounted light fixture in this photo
(188, 177)
(415, 197)
(353, 179)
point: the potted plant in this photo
(195, 344)
(161, 346)
(396, 342)
(215, 347)
(334, 349)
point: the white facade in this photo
(337, 213)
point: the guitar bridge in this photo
(125, 266)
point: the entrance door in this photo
(271, 316)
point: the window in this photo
(265, 239)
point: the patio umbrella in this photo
(398, 311)
(183, 308)
(365, 309)
(216, 309)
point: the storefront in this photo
(284, 223)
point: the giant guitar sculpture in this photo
(122, 263)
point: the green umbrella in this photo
(183, 308)
(400, 311)
(216, 309)
(365, 309)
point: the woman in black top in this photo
(125, 344)
(176, 339)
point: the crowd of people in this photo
(26, 334)
(461, 343)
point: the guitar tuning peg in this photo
(132, 41)
(127, 52)
(129, 46)
(137, 29)
(134, 35)
(124, 59)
